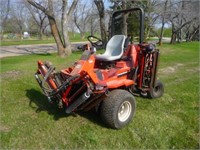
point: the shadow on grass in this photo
(40, 54)
(26, 51)
(93, 117)
(42, 104)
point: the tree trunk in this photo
(41, 33)
(161, 34)
(92, 32)
(179, 36)
(193, 36)
(56, 35)
(82, 35)
(91, 27)
(64, 22)
(176, 30)
(63, 45)
(147, 32)
(163, 23)
(4, 19)
(21, 32)
(124, 24)
(100, 6)
(124, 18)
(67, 44)
(1, 34)
(103, 30)
(173, 38)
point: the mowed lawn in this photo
(28, 121)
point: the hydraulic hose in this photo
(52, 92)
(45, 78)
(64, 85)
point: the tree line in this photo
(59, 17)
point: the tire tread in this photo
(110, 106)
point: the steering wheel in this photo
(96, 42)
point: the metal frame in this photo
(126, 11)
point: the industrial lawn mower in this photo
(106, 82)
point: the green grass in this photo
(72, 37)
(28, 121)
(35, 41)
(27, 42)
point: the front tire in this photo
(157, 91)
(118, 109)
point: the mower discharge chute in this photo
(107, 81)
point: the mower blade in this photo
(77, 103)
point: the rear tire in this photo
(118, 109)
(157, 91)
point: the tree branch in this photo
(72, 8)
(40, 7)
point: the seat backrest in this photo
(115, 46)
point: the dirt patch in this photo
(11, 74)
(194, 70)
(4, 128)
(167, 70)
(170, 69)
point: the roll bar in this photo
(126, 11)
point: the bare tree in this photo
(101, 9)
(39, 18)
(81, 18)
(181, 15)
(72, 28)
(62, 39)
(18, 12)
(94, 22)
(150, 15)
(164, 7)
(191, 31)
(4, 11)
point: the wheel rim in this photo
(157, 89)
(124, 111)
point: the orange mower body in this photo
(107, 82)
